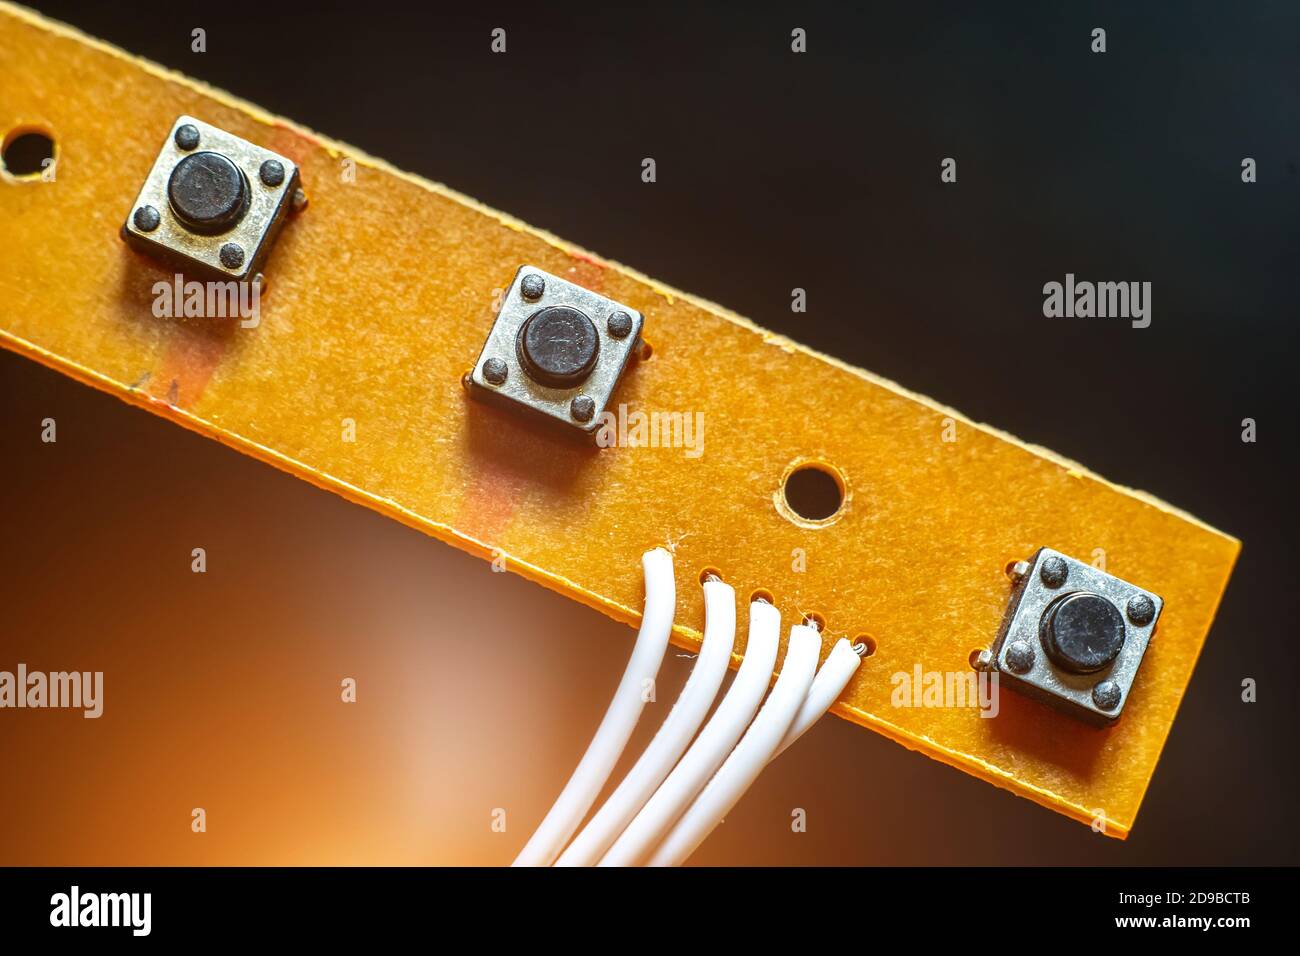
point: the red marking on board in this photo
(289, 143)
(587, 273)
(488, 506)
(185, 369)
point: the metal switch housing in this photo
(1074, 636)
(213, 203)
(556, 349)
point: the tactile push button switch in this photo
(213, 203)
(1082, 632)
(557, 349)
(558, 346)
(208, 192)
(1093, 627)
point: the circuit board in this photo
(378, 298)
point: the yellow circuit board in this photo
(378, 299)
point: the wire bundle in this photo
(686, 782)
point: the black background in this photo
(821, 171)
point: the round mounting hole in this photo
(762, 595)
(645, 351)
(865, 645)
(27, 153)
(813, 493)
(708, 574)
(814, 620)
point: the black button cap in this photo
(208, 192)
(1082, 632)
(558, 346)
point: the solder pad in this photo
(914, 559)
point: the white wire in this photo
(673, 737)
(831, 679)
(753, 752)
(619, 720)
(710, 749)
